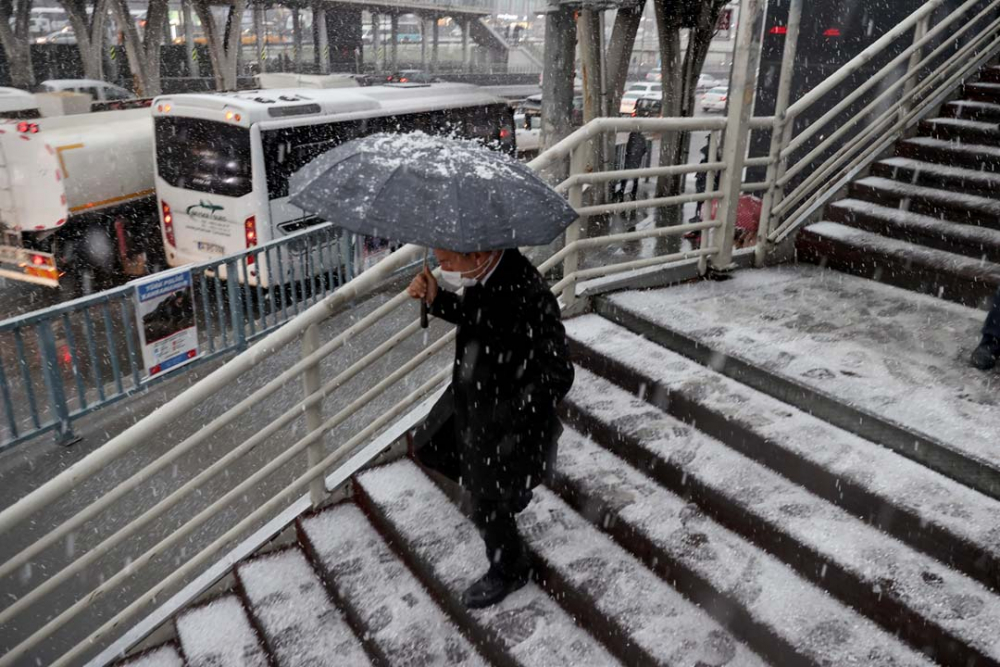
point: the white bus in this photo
(223, 160)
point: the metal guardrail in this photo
(834, 150)
(293, 443)
(63, 363)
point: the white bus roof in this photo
(256, 106)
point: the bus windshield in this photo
(204, 155)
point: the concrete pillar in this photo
(557, 79)
(423, 42)
(376, 41)
(259, 37)
(189, 44)
(394, 36)
(297, 40)
(434, 45)
(323, 43)
(466, 26)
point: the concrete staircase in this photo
(927, 219)
(793, 467)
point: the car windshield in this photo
(718, 91)
(638, 86)
(631, 96)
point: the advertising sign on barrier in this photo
(168, 332)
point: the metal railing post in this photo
(918, 34)
(781, 134)
(741, 95)
(54, 385)
(711, 184)
(578, 165)
(314, 414)
(235, 304)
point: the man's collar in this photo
(492, 270)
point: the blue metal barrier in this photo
(64, 362)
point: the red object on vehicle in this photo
(748, 212)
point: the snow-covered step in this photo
(884, 363)
(961, 130)
(959, 278)
(648, 621)
(935, 514)
(940, 176)
(955, 206)
(990, 74)
(970, 110)
(970, 156)
(165, 655)
(527, 628)
(300, 624)
(219, 634)
(982, 92)
(785, 618)
(904, 590)
(980, 243)
(400, 621)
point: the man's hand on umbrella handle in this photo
(424, 286)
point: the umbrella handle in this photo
(424, 320)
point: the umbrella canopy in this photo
(431, 191)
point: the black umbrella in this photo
(432, 191)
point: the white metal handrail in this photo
(880, 122)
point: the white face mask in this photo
(456, 280)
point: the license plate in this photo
(211, 247)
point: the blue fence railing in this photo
(64, 362)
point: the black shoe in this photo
(985, 356)
(493, 587)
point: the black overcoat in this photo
(495, 429)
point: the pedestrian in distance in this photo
(495, 429)
(635, 153)
(986, 354)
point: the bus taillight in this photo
(168, 224)
(250, 230)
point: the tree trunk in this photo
(133, 47)
(680, 81)
(89, 33)
(156, 22)
(623, 34)
(223, 46)
(16, 42)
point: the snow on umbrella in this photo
(431, 191)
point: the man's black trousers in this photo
(498, 528)
(992, 327)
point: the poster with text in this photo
(168, 333)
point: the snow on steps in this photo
(956, 206)
(789, 620)
(982, 91)
(910, 594)
(396, 615)
(977, 242)
(526, 628)
(933, 513)
(219, 634)
(929, 149)
(929, 174)
(301, 626)
(628, 604)
(884, 363)
(962, 130)
(959, 278)
(970, 110)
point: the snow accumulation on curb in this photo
(888, 351)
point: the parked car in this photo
(99, 91)
(648, 107)
(705, 82)
(64, 35)
(634, 92)
(655, 75)
(715, 99)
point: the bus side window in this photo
(289, 149)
